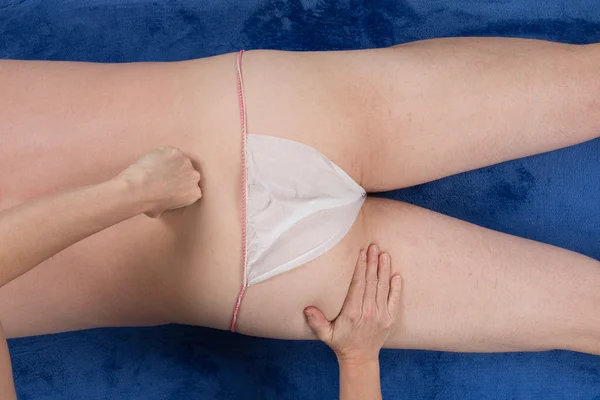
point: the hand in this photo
(165, 178)
(368, 313)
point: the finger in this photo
(371, 277)
(194, 197)
(356, 292)
(318, 323)
(195, 165)
(394, 297)
(383, 281)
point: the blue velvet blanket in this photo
(553, 198)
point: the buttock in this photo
(274, 308)
(287, 97)
(292, 96)
(296, 204)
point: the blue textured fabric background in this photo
(553, 198)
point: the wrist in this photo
(360, 378)
(129, 193)
(361, 361)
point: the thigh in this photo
(409, 114)
(465, 288)
(434, 108)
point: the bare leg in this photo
(467, 288)
(435, 108)
(440, 107)
(431, 109)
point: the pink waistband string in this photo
(240, 81)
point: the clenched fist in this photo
(166, 180)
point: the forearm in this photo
(359, 381)
(36, 230)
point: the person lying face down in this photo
(385, 118)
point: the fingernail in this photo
(363, 255)
(308, 314)
(397, 279)
(375, 248)
(386, 258)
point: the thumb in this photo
(318, 323)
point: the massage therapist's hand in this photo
(368, 313)
(166, 180)
(363, 325)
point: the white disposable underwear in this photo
(297, 204)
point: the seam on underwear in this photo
(242, 103)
